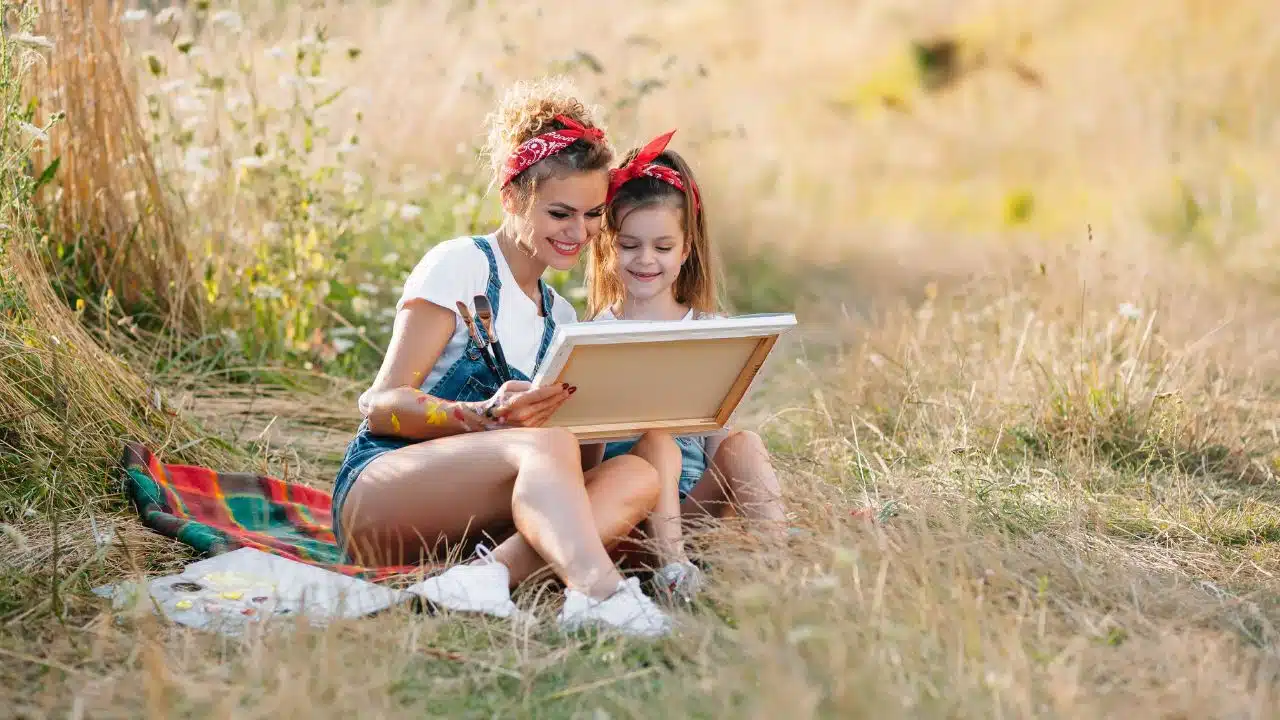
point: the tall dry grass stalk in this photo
(66, 403)
(108, 209)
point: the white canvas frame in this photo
(680, 376)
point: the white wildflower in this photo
(268, 292)
(188, 104)
(36, 41)
(233, 337)
(134, 16)
(343, 332)
(292, 81)
(167, 16)
(391, 258)
(237, 101)
(172, 86)
(317, 81)
(1129, 311)
(351, 182)
(276, 52)
(193, 160)
(229, 19)
(251, 162)
(270, 229)
(368, 288)
(193, 122)
(35, 133)
(341, 345)
(409, 212)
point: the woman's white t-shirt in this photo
(459, 270)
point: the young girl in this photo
(447, 450)
(653, 261)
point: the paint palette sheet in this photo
(228, 592)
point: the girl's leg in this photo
(740, 481)
(661, 451)
(448, 487)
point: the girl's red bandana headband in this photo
(643, 165)
(545, 145)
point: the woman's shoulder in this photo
(451, 270)
(459, 250)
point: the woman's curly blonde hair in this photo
(527, 110)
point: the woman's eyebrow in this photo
(570, 208)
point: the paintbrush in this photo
(485, 313)
(475, 337)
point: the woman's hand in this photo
(518, 404)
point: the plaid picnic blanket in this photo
(216, 512)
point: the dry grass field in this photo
(1032, 246)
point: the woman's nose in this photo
(577, 229)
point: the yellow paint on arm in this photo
(395, 423)
(436, 414)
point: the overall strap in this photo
(493, 290)
(548, 324)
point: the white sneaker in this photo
(627, 610)
(472, 588)
(679, 581)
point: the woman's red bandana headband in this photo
(643, 165)
(545, 145)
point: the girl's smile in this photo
(650, 250)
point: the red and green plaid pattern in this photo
(217, 512)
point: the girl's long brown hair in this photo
(698, 283)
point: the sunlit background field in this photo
(1033, 247)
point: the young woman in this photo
(447, 451)
(654, 262)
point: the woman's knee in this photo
(557, 444)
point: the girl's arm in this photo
(396, 407)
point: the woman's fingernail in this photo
(573, 389)
(564, 386)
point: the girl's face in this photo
(650, 249)
(565, 217)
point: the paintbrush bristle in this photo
(482, 307)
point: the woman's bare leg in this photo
(421, 494)
(622, 491)
(741, 481)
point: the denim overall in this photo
(467, 380)
(693, 458)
